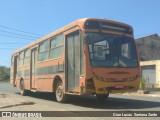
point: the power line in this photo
(19, 34)
(16, 37)
(7, 49)
(14, 43)
(20, 31)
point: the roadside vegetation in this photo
(143, 83)
(4, 73)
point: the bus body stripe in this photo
(43, 70)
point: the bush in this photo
(143, 83)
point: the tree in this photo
(4, 73)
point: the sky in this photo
(24, 21)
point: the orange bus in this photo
(87, 57)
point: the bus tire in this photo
(59, 93)
(23, 91)
(102, 97)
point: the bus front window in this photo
(108, 50)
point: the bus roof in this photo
(79, 23)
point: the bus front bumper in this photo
(103, 87)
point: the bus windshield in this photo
(107, 50)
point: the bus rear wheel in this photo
(60, 95)
(23, 91)
(102, 97)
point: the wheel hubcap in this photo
(59, 92)
(21, 86)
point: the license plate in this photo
(120, 86)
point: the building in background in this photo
(149, 55)
(149, 47)
(151, 73)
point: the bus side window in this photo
(57, 46)
(43, 51)
(27, 57)
(21, 57)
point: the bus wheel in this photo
(23, 91)
(102, 97)
(60, 96)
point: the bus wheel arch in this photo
(55, 82)
(58, 89)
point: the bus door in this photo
(33, 67)
(73, 61)
(14, 68)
